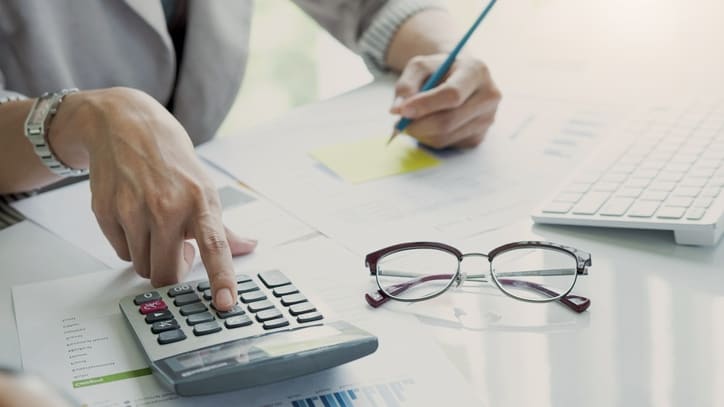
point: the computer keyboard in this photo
(664, 171)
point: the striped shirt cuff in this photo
(376, 39)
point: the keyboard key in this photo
(184, 299)
(670, 212)
(247, 286)
(654, 196)
(152, 306)
(252, 296)
(206, 328)
(208, 296)
(314, 316)
(238, 321)
(190, 309)
(268, 314)
(302, 308)
(695, 213)
(680, 201)
(557, 207)
(146, 297)
(273, 278)
(616, 206)
(292, 299)
(234, 311)
(703, 202)
(643, 209)
(627, 192)
(260, 305)
(275, 323)
(171, 337)
(666, 186)
(605, 186)
(285, 290)
(158, 316)
(710, 192)
(577, 187)
(242, 278)
(163, 326)
(590, 203)
(199, 318)
(180, 289)
(203, 286)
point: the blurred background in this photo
(611, 51)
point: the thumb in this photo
(239, 246)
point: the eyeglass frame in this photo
(576, 303)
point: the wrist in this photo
(425, 33)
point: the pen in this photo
(433, 80)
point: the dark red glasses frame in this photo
(572, 301)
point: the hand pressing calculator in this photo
(274, 333)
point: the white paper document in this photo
(533, 144)
(78, 340)
(67, 213)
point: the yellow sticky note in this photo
(371, 158)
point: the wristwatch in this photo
(36, 130)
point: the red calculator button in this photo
(152, 306)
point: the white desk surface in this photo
(654, 332)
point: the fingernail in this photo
(250, 242)
(409, 112)
(397, 102)
(223, 298)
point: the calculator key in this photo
(292, 299)
(171, 336)
(192, 309)
(313, 316)
(195, 319)
(246, 287)
(252, 296)
(152, 306)
(273, 278)
(238, 321)
(302, 308)
(206, 328)
(203, 286)
(275, 323)
(234, 311)
(207, 295)
(242, 278)
(185, 299)
(260, 305)
(163, 326)
(146, 297)
(268, 314)
(180, 289)
(158, 316)
(285, 290)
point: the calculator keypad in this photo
(268, 299)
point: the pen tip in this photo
(395, 132)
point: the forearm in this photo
(427, 32)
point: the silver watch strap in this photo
(36, 130)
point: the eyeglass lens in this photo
(417, 273)
(535, 274)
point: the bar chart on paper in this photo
(392, 394)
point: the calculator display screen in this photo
(251, 350)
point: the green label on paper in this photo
(111, 378)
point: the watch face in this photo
(41, 110)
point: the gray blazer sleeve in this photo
(365, 26)
(5, 94)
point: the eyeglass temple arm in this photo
(576, 303)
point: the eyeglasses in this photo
(530, 271)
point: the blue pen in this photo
(433, 80)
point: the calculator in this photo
(274, 332)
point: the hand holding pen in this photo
(446, 100)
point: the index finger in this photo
(216, 256)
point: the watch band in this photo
(36, 130)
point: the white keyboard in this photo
(665, 171)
